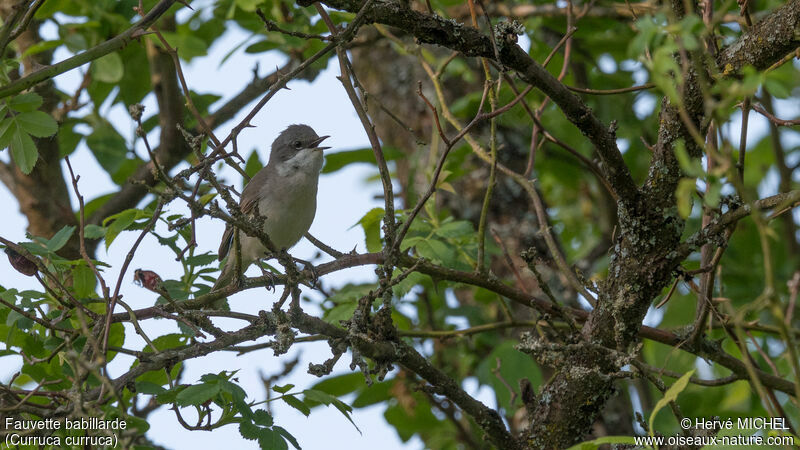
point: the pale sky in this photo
(344, 197)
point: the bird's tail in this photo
(224, 279)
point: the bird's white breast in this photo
(295, 196)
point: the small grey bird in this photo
(285, 191)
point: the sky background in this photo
(344, 197)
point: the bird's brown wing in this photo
(250, 193)
(225, 245)
(247, 205)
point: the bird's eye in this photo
(297, 144)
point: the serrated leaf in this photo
(288, 436)
(345, 409)
(319, 396)
(263, 418)
(7, 129)
(271, 440)
(456, 229)
(197, 394)
(201, 260)
(37, 123)
(29, 101)
(149, 388)
(295, 403)
(24, 151)
(248, 430)
(436, 251)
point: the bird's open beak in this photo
(315, 143)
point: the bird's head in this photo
(298, 146)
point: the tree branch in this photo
(433, 29)
(135, 188)
(766, 42)
(90, 55)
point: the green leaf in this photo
(338, 160)
(288, 436)
(377, 393)
(605, 440)
(197, 394)
(319, 396)
(187, 45)
(24, 151)
(108, 147)
(371, 223)
(253, 164)
(121, 221)
(116, 337)
(340, 384)
(146, 387)
(295, 403)
(283, 389)
(108, 69)
(93, 231)
(713, 192)
(37, 123)
(670, 396)
(30, 101)
(83, 281)
(247, 5)
(340, 312)
(271, 440)
(456, 229)
(263, 418)
(248, 430)
(201, 260)
(514, 366)
(262, 46)
(7, 129)
(436, 251)
(683, 196)
(345, 409)
(68, 138)
(691, 166)
(40, 47)
(60, 238)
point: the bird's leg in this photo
(311, 269)
(270, 276)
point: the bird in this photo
(284, 193)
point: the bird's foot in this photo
(311, 269)
(270, 277)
